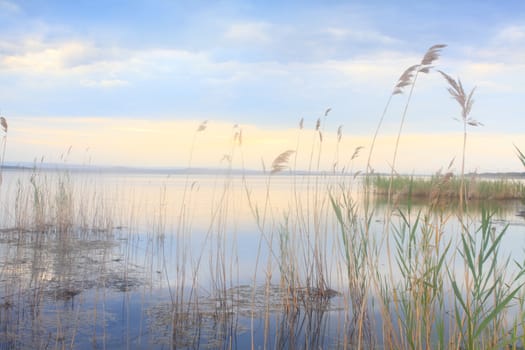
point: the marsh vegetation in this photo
(446, 187)
(321, 259)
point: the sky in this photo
(129, 82)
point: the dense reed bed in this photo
(447, 187)
(328, 265)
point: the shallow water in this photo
(174, 261)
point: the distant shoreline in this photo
(51, 167)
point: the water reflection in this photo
(142, 261)
(54, 284)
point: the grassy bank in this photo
(447, 187)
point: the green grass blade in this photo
(496, 311)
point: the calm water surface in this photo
(174, 261)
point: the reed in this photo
(3, 143)
(520, 154)
(357, 251)
(447, 187)
(331, 270)
(485, 292)
(465, 101)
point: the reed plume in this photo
(465, 100)
(281, 162)
(202, 126)
(3, 124)
(408, 78)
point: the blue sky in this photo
(262, 64)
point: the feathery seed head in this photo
(202, 127)
(3, 123)
(432, 54)
(405, 79)
(356, 152)
(465, 101)
(281, 162)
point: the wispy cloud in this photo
(248, 33)
(92, 65)
(360, 35)
(37, 56)
(234, 61)
(498, 63)
(105, 83)
(8, 7)
(512, 34)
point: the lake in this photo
(138, 260)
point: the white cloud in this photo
(376, 69)
(35, 56)
(337, 33)
(248, 32)
(367, 36)
(95, 66)
(497, 65)
(8, 7)
(506, 45)
(485, 68)
(84, 63)
(512, 34)
(105, 83)
(492, 75)
(99, 67)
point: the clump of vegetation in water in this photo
(447, 187)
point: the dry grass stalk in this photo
(405, 79)
(281, 162)
(3, 123)
(356, 152)
(202, 126)
(521, 156)
(432, 54)
(465, 101)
